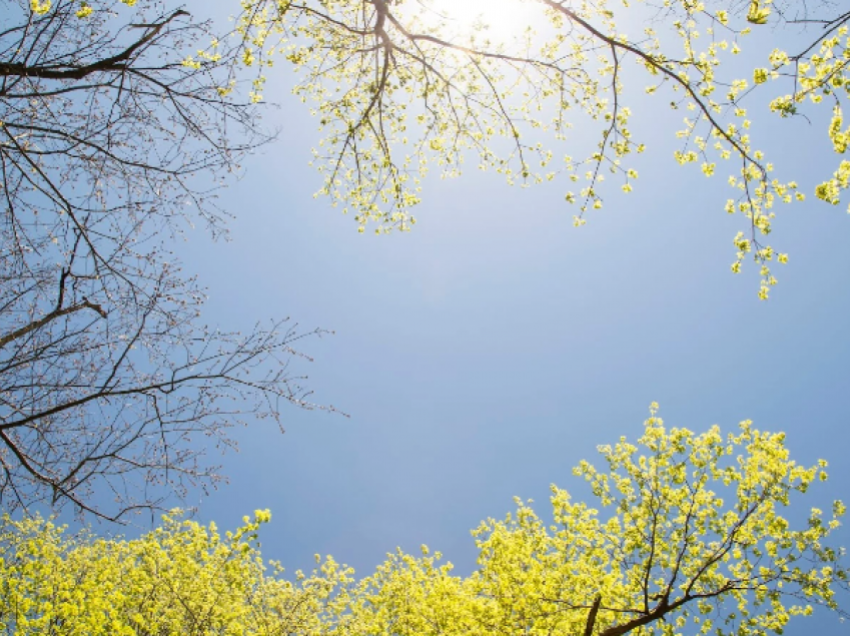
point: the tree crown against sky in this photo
(110, 146)
(399, 87)
(690, 530)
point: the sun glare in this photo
(499, 21)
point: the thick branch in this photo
(53, 315)
(591, 616)
(113, 63)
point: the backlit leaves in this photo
(692, 534)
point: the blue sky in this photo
(484, 354)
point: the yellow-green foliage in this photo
(396, 90)
(180, 579)
(690, 537)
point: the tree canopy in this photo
(700, 529)
(398, 87)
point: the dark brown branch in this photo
(53, 315)
(591, 616)
(113, 63)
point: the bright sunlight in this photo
(499, 21)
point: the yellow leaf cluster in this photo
(689, 535)
(182, 578)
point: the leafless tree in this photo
(110, 144)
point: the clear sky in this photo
(484, 354)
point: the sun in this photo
(499, 21)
